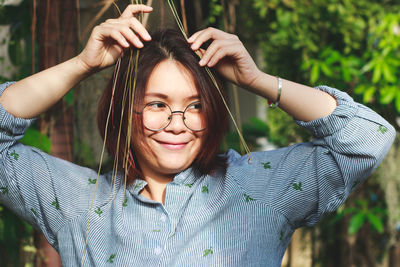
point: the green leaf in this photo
(377, 72)
(376, 222)
(314, 73)
(36, 139)
(387, 94)
(356, 222)
(69, 98)
(388, 73)
(369, 94)
(397, 101)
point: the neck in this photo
(156, 185)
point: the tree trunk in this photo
(57, 41)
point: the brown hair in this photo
(165, 44)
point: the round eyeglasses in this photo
(157, 115)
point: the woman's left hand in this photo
(227, 54)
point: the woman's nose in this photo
(176, 123)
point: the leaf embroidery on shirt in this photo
(382, 129)
(4, 190)
(208, 252)
(92, 181)
(297, 186)
(267, 165)
(281, 236)
(189, 185)
(34, 211)
(138, 185)
(248, 198)
(15, 155)
(98, 211)
(56, 204)
(111, 258)
(204, 189)
(156, 230)
(125, 203)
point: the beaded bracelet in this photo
(275, 105)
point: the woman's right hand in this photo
(109, 39)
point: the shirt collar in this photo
(184, 177)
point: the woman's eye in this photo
(196, 106)
(157, 105)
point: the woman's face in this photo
(173, 149)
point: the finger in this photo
(133, 24)
(138, 27)
(131, 37)
(194, 36)
(134, 9)
(217, 46)
(210, 33)
(117, 36)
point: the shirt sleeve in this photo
(307, 180)
(44, 190)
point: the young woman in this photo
(185, 205)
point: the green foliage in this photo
(363, 213)
(35, 138)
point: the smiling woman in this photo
(166, 68)
(184, 204)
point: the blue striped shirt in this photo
(245, 218)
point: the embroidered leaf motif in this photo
(355, 183)
(267, 165)
(156, 230)
(98, 211)
(92, 181)
(15, 155)
(111, 258)
(281, 236)
(248, 198)
(138, 185)
(204, 189)
(297, 186)
(56, 204)
(208, 252)
(4, 190)
(189, 185)
(34, 211)
(382, 129)
(125, 204)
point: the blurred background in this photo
(353, 45)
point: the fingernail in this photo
(193, 46)
(190, 39)
(202, 62)
(147, 36)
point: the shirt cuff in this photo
(346, 109)
(9, 124)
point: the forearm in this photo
(301, 102)
(35, 94)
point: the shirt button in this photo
(158, 250)
(163, 218)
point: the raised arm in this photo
(35, 94)
(227, 53)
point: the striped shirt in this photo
(243, 218)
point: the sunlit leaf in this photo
(356, 222)
(376, 222)
(387, 94)
(377, 72)
(388, 73)
(369, 94)
(314, 73)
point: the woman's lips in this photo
(172, 146)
